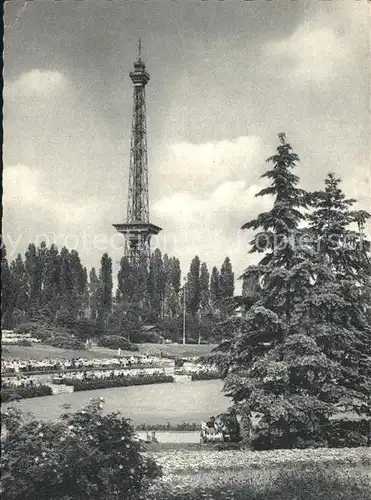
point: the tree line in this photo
(48, 286)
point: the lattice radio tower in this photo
(137, 229)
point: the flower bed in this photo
(105, 383)
(25, 392)
(314, 474)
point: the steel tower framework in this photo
(137, 229)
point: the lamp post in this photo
(184, 312)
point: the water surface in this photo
(150, 404)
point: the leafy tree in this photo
(34, 278)
(157, 282)
(93, 293)
(215, 288)
(104, 303)
(125, 282)
(79, 280)
(68, 297)
(19, 278)
(172, 278)
(204, 288)
(83, 456)
(226, 279)
(172, 305)
(175, 275)
(52, 282)
(7, 302)
(85, 295)
(193, 288)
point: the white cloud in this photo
(210, 193)
(209, 226)
(36, 82)
(316, 52)
(236, 198)
(20, 185)
(206, 165)
(25, 187)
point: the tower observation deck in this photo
(137, 229)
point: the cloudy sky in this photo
(226, 77)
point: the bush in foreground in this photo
(84, 456)
(105, 383)
(11, 394)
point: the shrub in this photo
(23, 343)
(347, 433)
(43, 334)
(105, 383)
(179, 362)
(116, 342)
(83, 456)
(85, 329)
(29, 327)
(143, 337)
(205, 376)
(10, 394)
(66, 342)
(66, 320)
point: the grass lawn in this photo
(39, 352)
(322, 474)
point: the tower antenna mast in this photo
(137, 229)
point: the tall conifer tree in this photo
(105, 289)
(271, 365)
(193, 289)
(215, 288)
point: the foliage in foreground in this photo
(291, 475)
(310, 484)
(85, 455)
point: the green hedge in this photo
(185, 426)
(25, 392)
(205, 376)
(105, 383)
